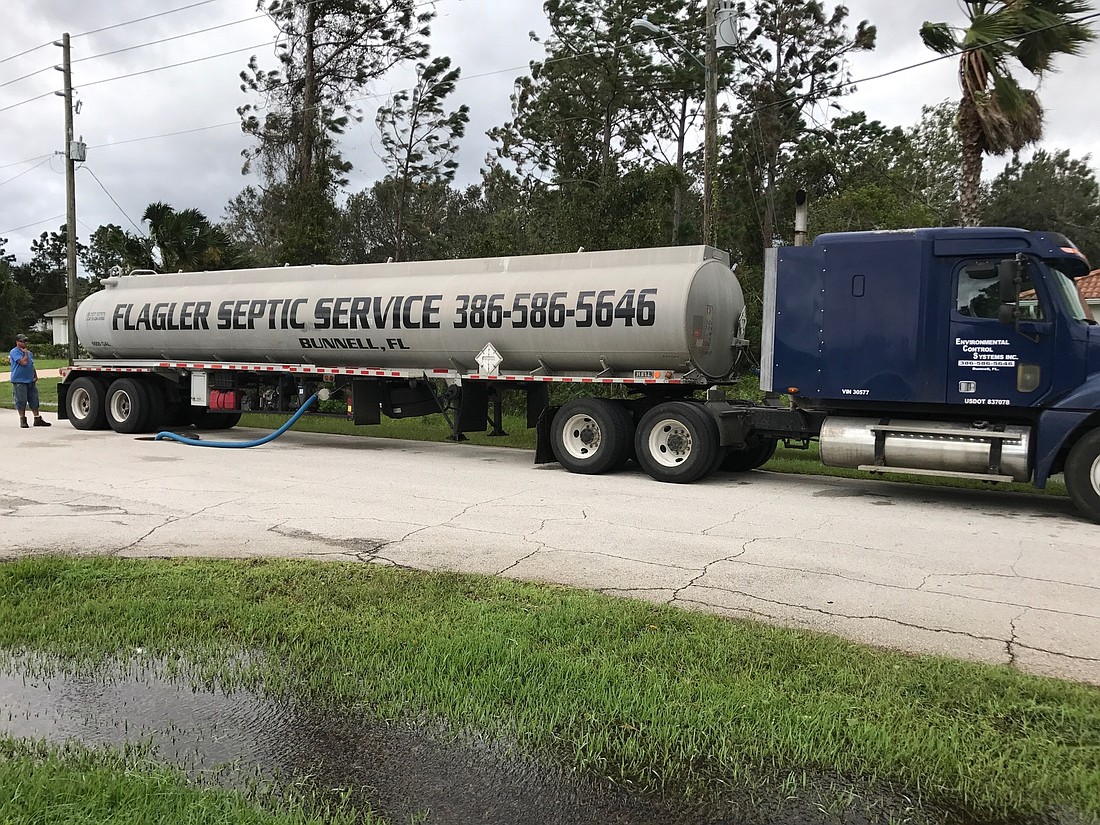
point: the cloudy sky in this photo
(158, 97)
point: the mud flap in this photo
(544, 451)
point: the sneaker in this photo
(23, 422)
(42, 422)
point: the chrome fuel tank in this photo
(927, 445)
(675, 308)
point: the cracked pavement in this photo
(996, 577)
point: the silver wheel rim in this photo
(581, 436)
(121, 406)
(81, 406)
(1094, 475)
(669, 442)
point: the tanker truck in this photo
(957, 352)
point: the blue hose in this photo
(194, 442)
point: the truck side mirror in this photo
(1008, 277)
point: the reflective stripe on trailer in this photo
(573, 379)
(366, 372)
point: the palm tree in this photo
(179, 238)
(183, 241)
(996, 114)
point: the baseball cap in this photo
(21, 339)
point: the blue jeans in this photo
(26, 395)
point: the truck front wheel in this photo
(1082, 474)
(592, 435)
(677, 441)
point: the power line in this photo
(112, 197)
(28, 100)
(108, 28)
(166, 135)
(24, 77)
(952, 55)
(36, 223)
(28, 51)
(25, 171)
(143, 19)
(162, 40)
(28, 160)
(169, 66)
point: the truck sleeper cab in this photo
(960, 352)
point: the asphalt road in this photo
(984, 575)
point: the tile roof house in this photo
(1089, 287)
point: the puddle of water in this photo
(402, 772)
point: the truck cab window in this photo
(978, 293)
(1066, 293)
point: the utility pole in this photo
(710, 115)
(709, 64)
(70, 195)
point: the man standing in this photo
(24, 383)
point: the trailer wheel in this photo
(127, 406)
(592, 436)
(178, 413)
(677, 441)
(222, 420)
(158, 404)
(85, 403)
(203, 419)
(1082, 474)
(749, 458)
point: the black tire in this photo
(158, 404)
(592, 436)
(178, 413)
(748, 458)
(204, 419)
(85, 403)
(127, 406)
(222, 420)
(677, 442)
(1082, 474)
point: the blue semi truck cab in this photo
(963, 352)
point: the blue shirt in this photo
(21, 373)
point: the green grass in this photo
(663, 699)
(79, 786)
(50, 363)
(47, 394)
(39, 363)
